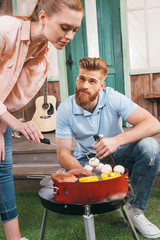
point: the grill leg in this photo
(89, 224)
(127, 217)
(44, 224)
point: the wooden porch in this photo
(31, 159)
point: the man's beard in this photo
(85, 100)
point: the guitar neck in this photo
(46, 92)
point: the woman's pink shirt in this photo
(23, 68)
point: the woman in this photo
(23, 69)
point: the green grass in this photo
(65, 227)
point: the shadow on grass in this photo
(65, 227)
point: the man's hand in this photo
(29, 130)
(2, 147)
(106, 146)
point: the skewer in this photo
(47, 141)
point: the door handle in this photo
(70, 61)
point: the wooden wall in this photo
(6, 7)
(140, 85)
(145, 91)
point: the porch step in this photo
(34, 163)
(27, 165)
(30, 160)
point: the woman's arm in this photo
(28, 129)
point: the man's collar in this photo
(77, 110)
(102, 99)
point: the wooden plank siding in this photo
(145, 91)
(142, 86)
(6, 7)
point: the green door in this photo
(110, 46)
(75, 50)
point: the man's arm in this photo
(144, 125)
(65, 159)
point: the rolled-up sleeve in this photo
(3, 108)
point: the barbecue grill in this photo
(86, 199)
(91, 192)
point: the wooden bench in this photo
(153, 97)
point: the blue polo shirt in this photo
(74, 121)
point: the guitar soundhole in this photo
(45, 106)
(51, 109)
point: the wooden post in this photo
(6, 7)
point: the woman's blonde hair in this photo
(53, 6)
(94, 64)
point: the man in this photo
(95, 109)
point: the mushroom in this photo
(119, 169)
(94, 162)
(106, 168)
(99, 167)
(88, 167)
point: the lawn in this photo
(65, 227)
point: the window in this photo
(144, 35)
(25, 8)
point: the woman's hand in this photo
(2, 147)
(29, 130)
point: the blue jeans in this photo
(8, 209)
(142, 159)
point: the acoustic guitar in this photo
(45, 114)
